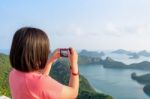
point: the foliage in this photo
(4, 71)
(147, 89)
(61, 72)
(110, 63)
(87, 60)
(143, 79)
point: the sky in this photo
(82, 24)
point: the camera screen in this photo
(64, 53)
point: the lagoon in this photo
(115, 82)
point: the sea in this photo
(116, 82)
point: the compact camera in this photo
(65, 52)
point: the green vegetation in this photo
(87, 60)
(91, 53)
(143, 79)
(60, 71)
(110, 63)
(4, 71)
(147, 89)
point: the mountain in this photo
(110, 63)
(147, 89)
(144, 53)
(91, 53)
(145, 65)
(87, 60)
(134, 55)
(60, 71)
(143, 79)
(121, 51)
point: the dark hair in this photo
(29, 49)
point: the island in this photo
(110, 63)
(122, 51)
(91, 53)
(143, 79)
(132, 55)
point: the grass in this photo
(4, 72)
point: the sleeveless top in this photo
(33, 85)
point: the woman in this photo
(29, 78)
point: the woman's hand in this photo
(71, 91)
(55, 55)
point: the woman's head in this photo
(29, 49)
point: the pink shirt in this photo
(33, 86)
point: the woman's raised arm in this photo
(50, 61)
(71, 91)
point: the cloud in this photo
(105, 30)
(74, 30)
(115, 30)
(69, 30)
(111, 29)
(106, 36)
(143, 29)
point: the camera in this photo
(64, 52)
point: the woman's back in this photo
(33, 85)
(29, 59)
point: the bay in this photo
(115, 82)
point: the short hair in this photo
(29, 49)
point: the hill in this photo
(110, 63)
(4, 70)
(91, 53)
(87, 60)
(144, 53)
(121, 51)
(133, 55)
(60, 71)
(147, 89)
(143, 79)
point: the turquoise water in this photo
(115, 82)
